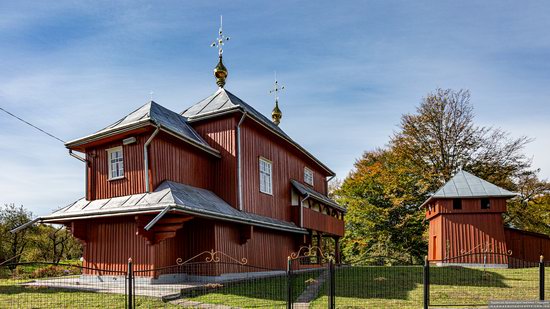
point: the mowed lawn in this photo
(401, 286)
(15, 295)
(356, 287)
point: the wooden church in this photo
(465, 219)
(219, 175)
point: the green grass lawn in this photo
(259, 293)
(356, 287)
(13, 295)
(28, 297)
(401, 287)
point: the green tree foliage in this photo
(383, 192)
(530, 211)
(14, 244)
(34, 243)
(53, 244)
(382, 218)
(441, 137)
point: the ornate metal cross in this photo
(276, 88)
(221, 38)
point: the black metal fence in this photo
(309, 281)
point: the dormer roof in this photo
(222, 102)
(466, 185)
(153, 114)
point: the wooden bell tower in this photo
(465, 217)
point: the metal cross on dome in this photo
(276, 88)
(221, 38)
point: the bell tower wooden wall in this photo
(470, 229)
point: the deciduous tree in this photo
(383, 192)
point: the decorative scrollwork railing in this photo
(487, 248)
(309, 251)
(212, 257)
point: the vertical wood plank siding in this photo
(445, 206)
(220, 133)
(175, 160)
(527, 246)
(132, 183)
(469, 229)
(266, 248)
(318, 221)
(472, 233)
(288, 163)
(169, 159)
(112, 241)
(434, 241)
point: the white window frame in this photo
(266, 175)
(119, 164)
(306, 178)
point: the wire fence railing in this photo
(49, 285)
(308, 282)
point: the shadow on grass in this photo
(359, 282)
(261, 292)
(397, 282)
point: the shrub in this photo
(54, 271)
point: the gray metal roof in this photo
(223, 101)
(154, 113)
(305, 190)
(466, 185)
(183, 198)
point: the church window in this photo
(116, 163)
(265, 176)
(308, 176)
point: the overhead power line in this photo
(32, 125)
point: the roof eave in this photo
(107, 133)
(328, 202)
(213, 114)
(466, 197)
(160, 207)
(137, 125)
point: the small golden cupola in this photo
(220, 71)
(276, 114)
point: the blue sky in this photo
(350, 70)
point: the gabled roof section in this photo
(181, 198)
(223, 101)
(466, 185)
(151, 113)
(305, 190)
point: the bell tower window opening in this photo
(457, 203)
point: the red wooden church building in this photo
(465, 218)
(162, 185)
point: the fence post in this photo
(426, 282)
(541, 278)
(130, 279)
(331, 285)
(289, 284)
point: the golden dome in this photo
(220, 72)
(276, 114)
